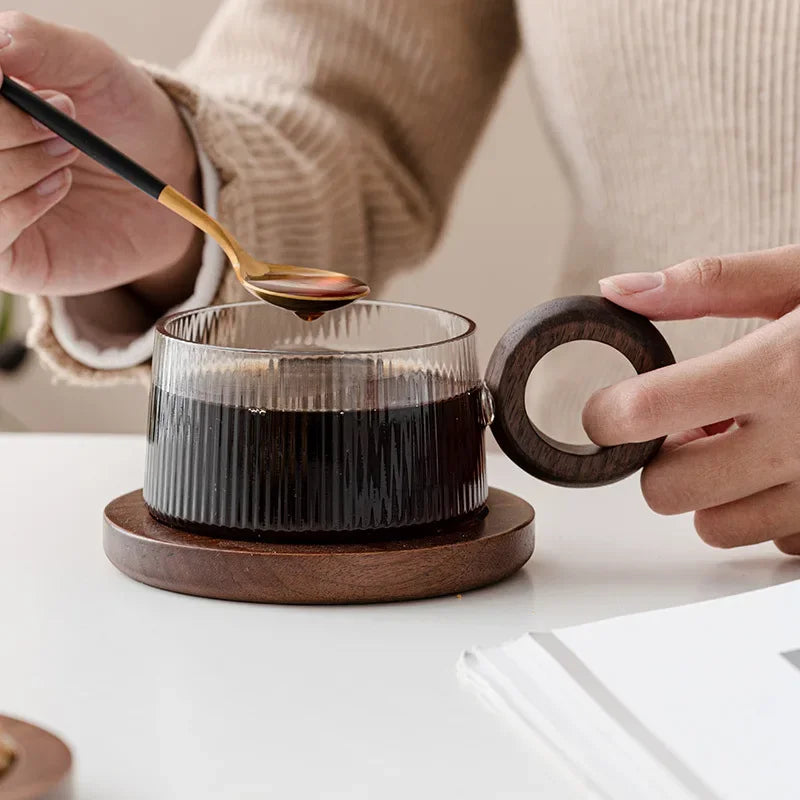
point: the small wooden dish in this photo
(447, 560)
(41, 766)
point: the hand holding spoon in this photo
(307, 292)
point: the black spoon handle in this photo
(86, 141)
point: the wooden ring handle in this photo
(533, 335)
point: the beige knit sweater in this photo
(340, 127)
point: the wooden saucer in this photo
(475, 553)
(41, 765)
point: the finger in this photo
(789, 544)
(18, 128)
(767, 515)
(46, 54)
(17, 274)
(718, 469)
(725, 384)
(764, 283)
(23, 167)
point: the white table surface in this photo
(169, 697)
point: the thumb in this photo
(764, 283)
(47, 55)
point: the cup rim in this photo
(161, 330)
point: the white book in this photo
(699, 701)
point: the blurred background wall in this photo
(512, 211)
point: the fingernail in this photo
(51, 184)
(633, 282)
(5, 39)
(57, 147)
(62, 103)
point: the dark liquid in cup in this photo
(240, 472)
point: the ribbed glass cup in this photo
(371, 418)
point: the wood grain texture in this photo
(42, 765)
(533, 335)
(447, 560)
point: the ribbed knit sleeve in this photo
(338, 128)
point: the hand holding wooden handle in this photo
(533, 335)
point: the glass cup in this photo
(370, 419)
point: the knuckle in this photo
(25, 165)
(779, 463)
(13, 176)
(641, 406)
(715, 528)
(23, 269)
(30, 35)
(15, 215)
(706, 272)
(779, 458)
(14, 277)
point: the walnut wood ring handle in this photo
(533, 335)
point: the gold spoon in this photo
(307, 292)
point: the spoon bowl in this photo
(293, 288)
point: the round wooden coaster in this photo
(41, 764)
(445, 561)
